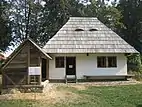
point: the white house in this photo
(85, 47)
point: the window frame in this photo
(93, 29)
(79, 29)
(107, 62)
(99, 59)
(115, 64)
(59, 59)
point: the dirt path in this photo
(84, 85)
(53, 95)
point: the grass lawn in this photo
(102, 96)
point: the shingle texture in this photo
(101, 40)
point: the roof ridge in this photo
(72, 17)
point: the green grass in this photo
(110, 96)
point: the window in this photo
(112, 62)
(79, 30)
(106, 62)
(101, 61)
(93, 30)
(59, 62)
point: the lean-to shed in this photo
(24, 67)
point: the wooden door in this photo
(44, 69)
(70, 66)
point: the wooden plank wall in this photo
(16, 73)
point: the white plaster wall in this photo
(55, 73)
(87, 65)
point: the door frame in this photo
(66, 64)
(46, 65)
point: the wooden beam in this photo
(34, 55)
(15, 69)
(47, 68)
(28, 62)
(18, 62)
(22, 73)
(65, 69)
(22, 80)
(16, 66)
(13, 56)
(24, 86)
(3, 80)
(75, 71)
(22, 55)
(40, 63)
(9, 79)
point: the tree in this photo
(39, 21)
(5, 29)
(76, 9)
(132, 20)
(25, 17)
(132, 30)
(54, 15)
(108, 14)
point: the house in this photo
(86, 47)
(83, 48)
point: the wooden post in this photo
(47, 69)
(75, 72)
(3, 80)
(106, 61)
(65, 70)
(28, 64)
(40, 64)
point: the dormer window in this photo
(93, 30)
(79, 30)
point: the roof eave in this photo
(39, 48)
(19, 47)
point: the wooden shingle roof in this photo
(86, 35)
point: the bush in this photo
(138, 76)
(134, 63)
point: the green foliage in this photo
(137, 75)
(26, 19)
(132, 20)
(108, 14)
(5, 29)
(134, 62)
(132, 30)
(55, 14)
(1, 62)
